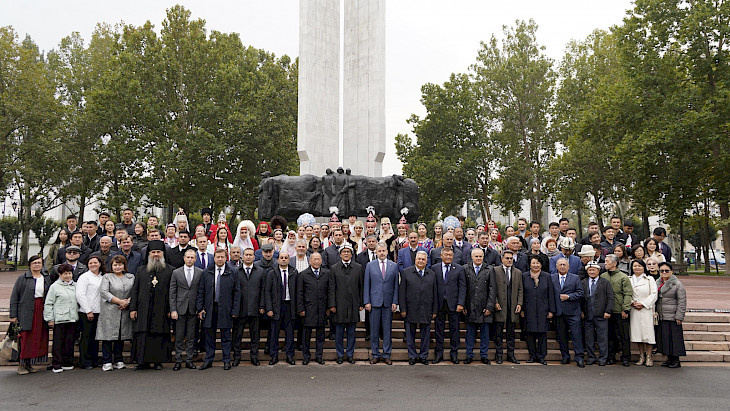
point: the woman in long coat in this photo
(538, 307)
(641, 318)
(26, 309)
(115, 326)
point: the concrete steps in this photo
(707, 339)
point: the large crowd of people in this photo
(107, 283)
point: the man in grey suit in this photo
(183, 292)
(508, 280)
(481, 295)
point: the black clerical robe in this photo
(150, 298)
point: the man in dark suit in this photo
(519, 259)
(567, 310)
(347, 281)
(251, 280)
(462, 245)
(508, 280)
(331, 254)
(134, 258)
(597, 310)
(204, 259)
(363, 259)
(452, 294)
(660, 234)
(418, 305)
(235, 262)
(91, 238)
(218, 304)
(380, 296)
(315, 298)
(176, 255)
(407, 255)
(448, 242)
(267, 262)
(77, 239)
(491, 257)
(72, 258)
(280, 297)
(183, 295)
(481, 295)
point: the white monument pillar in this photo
(318, 131)
(363, 108)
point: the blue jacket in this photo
(404, 258)
(381, 292)
(574, 264)
(229, 301)
(573, 288)
(454, 289)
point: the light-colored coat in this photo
(114, 322)
(60, 306)
(642, 321)
(672, 300)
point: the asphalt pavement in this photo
(362, 386)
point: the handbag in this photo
(10, 346)
(656, 318)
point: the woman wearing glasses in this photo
(672, 304)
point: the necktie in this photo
(562, 281)
(509, 277)
(593, 286)
(382, 268)
(248, 272)
(189, 276)
(203, 259)
(372, 256)
(217, 285)
(283, 289)
(420, 272)
(446, 273)
(316, 273)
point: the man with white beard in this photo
(149, 309)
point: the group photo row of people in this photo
(175, 290)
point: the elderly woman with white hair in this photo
(244, 235)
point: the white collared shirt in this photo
(88, 293)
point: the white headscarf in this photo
(244, 243)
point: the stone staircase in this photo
(707, 339)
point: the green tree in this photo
(9, 229)
(43, 228)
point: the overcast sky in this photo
(426, 40)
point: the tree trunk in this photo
(580, 224)
(486, 212)
(681, 239)
(645, 223)
(599, 212)
(118, 210)
(82, 208)
(25, 234)
(725, 217)
(706, 237)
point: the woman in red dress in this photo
(26, 309)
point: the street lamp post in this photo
(15, 209)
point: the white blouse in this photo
(39, 287)
(88, 293)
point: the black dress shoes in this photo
(141, 367)
(367, 337)
(236, 362)
(351, 360)
(411, 361)
(388, 361)
(424, 361)
(255, 362)
(331, 337)
(530, 360)
(498, 359)
(485, 361)
(625, 363)
(579, 362)
(177, 366)
(565, 361)
(454, 360)
(611, 361)
(158, 366)
(512, 359)
(305, 362)
(543, 361)
(675, 364)
(374, 360)
(601, 363)
(189, 364)
(319, 361)
(468, 360)
(205, 366)
(274, 360)
(438, 359)
(290, 360)
(227, 366)
(590, 361)
(339, 360)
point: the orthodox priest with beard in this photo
(150, 309)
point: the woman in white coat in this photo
(642, 311)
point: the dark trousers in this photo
(367, 324)
(298, 324)
(285, 323)
(597, 332)
(89, 346)
(440, 326)
(63, 344)
(199, 335)
(210, 339)
(239, 324)
(563, 323)
(381, 318)
(537, 345)
(265, 324)
(319, 336)
(111, 351)
(499, 336)
(185, 336)
(471, 336)
(411, 340)
(619, 337)
(340, 329)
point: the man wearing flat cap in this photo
(567, 246)
(347, 276)
(150, 308)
